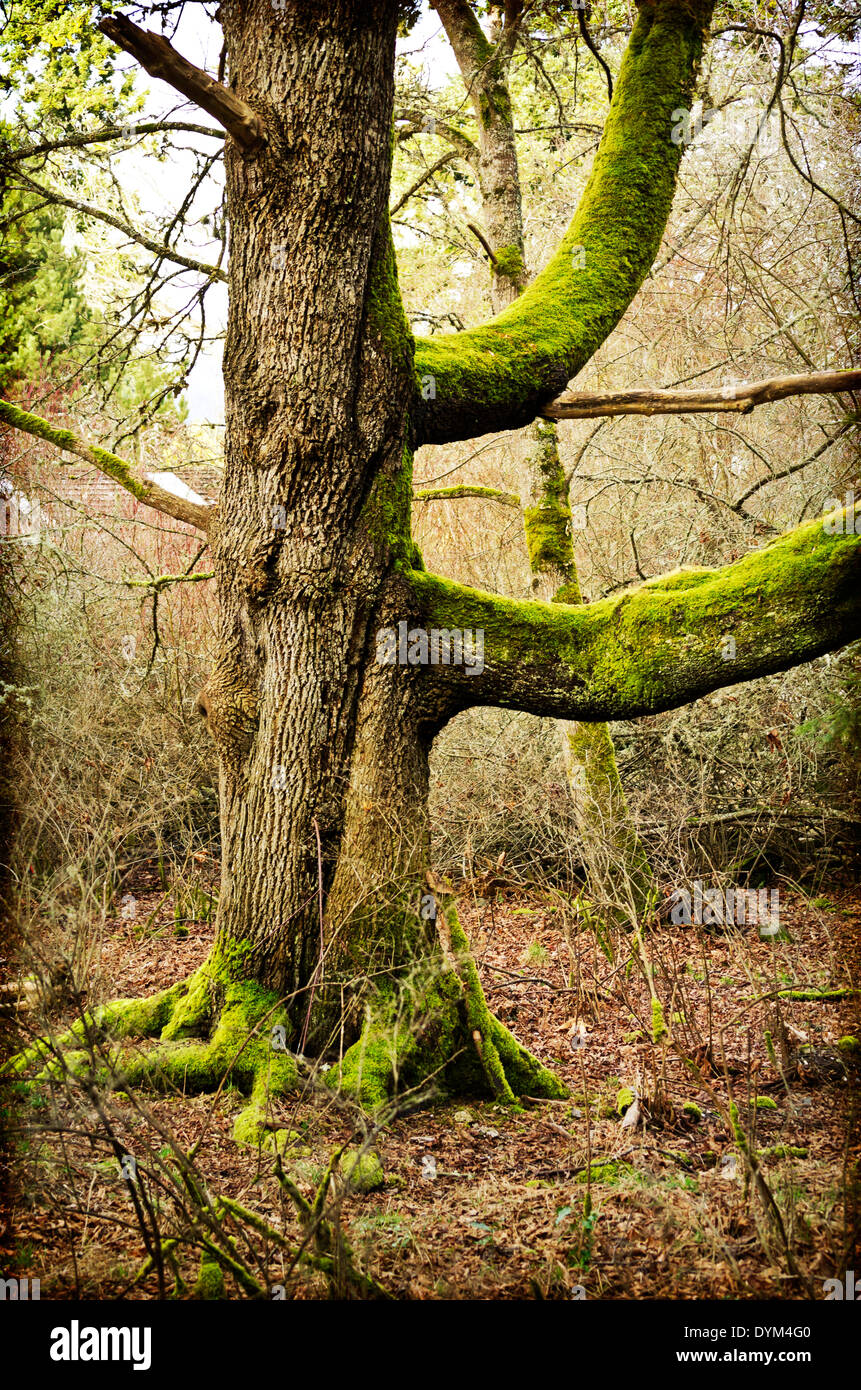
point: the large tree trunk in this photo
(316, 402)
(323, 748)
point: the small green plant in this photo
(535, 954)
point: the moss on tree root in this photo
(218, 1027)
(215, 1027)
(439, 1030)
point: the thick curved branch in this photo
(656, 646)
(741, 397)
(500, 374)
(161, 60)
(140, 487)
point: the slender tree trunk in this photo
(617, 866)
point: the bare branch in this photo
(741, 397)
(157, 248)
(738, 505)
(595, 50)
(161, 60)
(143, 488)
(428, 174)
(479, 236)
(418, 125)
(107, 133)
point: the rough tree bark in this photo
(324, 746)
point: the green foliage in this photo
(838, 730)
(62, 69)
(42, 308)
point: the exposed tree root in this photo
(440, 1026)
(216, 1028)
(211, 1028)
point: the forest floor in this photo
(484, 1202)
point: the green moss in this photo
(494, 105)
(604, 817)
(109, 464)
(692, 1111)
(215, 1026)
(385, 307)
(765, 1103)
(849, 1044)
(547, 515)
(527, 353)
(509, 262)
(659, 1027)
(386, 515)
(608, 1173)
(428, 1029)
(738, 1133)
(815, 995)
(363, 1170)
(210, 1281)
(654, 646)
(624, 1098)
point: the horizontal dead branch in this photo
(452, 494)
(740, 397)
(160, 59)
(769, 814)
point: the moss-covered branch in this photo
(142, 488)
(500, 374)
(453, 494)
(656, 646)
